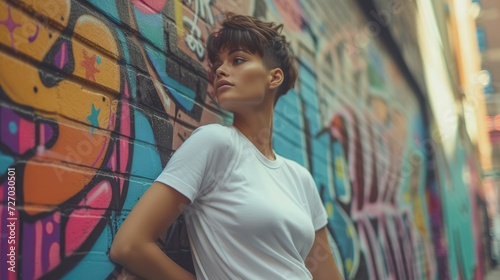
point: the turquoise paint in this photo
(96, 263)
(143, 129)
(288, 119)
(338, 223)
(457, 216)
(286, 149)
(130, 72)
(136, 188)
(107, 7)
(93, 117)
(5, 162)
(307, 78)
(146, 160)
(289, 130)
(182, 94)
(288, 134)
(149, 27)
(322, 171)
(12, 127)
(340, 182)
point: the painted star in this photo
(92, 118)
(11, 25)
(88, 63)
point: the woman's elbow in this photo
(115, 254)
(119, 251)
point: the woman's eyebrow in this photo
(237, 50)
(217, 60)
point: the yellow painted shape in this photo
(329, 209)
(349, 231)
(94, 30)
(407, 197)
(75, 102)
(86, 26)
(51, 185)
(348, 264)
(419, 217)
(78, 146)
(19, 81)
(178, 18)
(56, 10)
(41, 44)
(69, 99)
(339, 168)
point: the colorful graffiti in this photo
(96, 95)
(92, 100)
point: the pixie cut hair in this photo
(256, 36)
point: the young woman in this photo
(250, 213)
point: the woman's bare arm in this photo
(134, 246)
(320, 261)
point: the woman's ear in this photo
(276, 78)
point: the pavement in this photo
(493, 274)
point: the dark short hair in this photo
(256, 36)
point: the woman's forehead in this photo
(232, 48)
(228, 50)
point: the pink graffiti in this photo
(149, 6)
(373, 199)
(10, 24)
(62, 56)
(82, 222)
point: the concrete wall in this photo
(96, 95)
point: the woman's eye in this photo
(238, 59)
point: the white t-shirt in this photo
(249, 217)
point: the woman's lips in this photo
(223, 87)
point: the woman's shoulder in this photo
(213, 134)
(212, 130)
(212, 127)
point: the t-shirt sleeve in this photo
(199, 162)
(319, 215)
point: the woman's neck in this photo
(258, 128)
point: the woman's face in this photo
(240, 79)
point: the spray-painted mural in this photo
(96, 95)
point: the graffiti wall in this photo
(95, 96)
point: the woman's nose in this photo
(221, 71)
